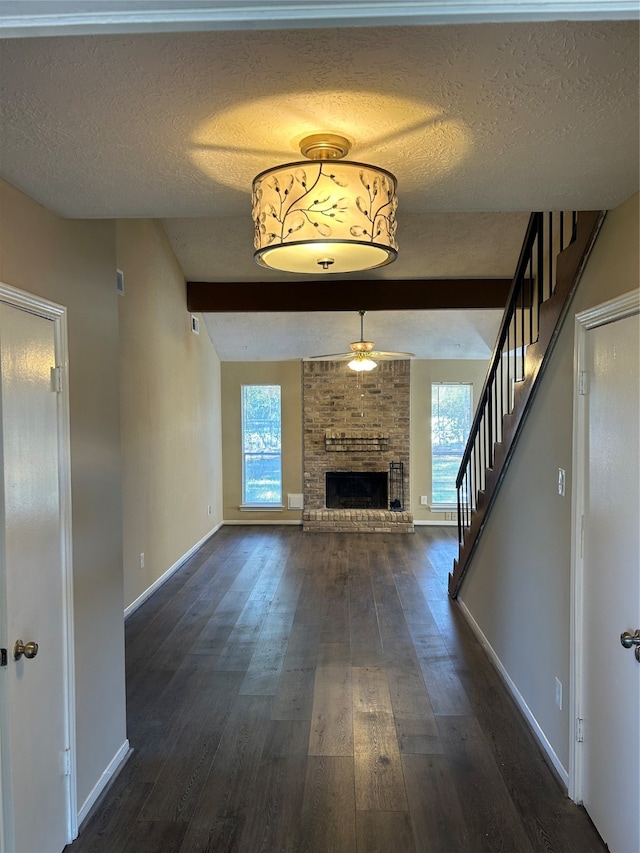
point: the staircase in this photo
(554, 253)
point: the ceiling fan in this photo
(362, 353)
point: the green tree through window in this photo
(450, 424)
(261, 445)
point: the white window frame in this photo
(446, 506)
(276, 505)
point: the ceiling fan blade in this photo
(390, 355)
(336, 356)
(347, 356)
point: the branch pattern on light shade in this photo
(325, 200)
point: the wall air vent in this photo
(195, 324)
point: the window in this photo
(261, 445)
(451, 412)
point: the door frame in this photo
(24, 301)
(622, 306)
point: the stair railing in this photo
(534, 284)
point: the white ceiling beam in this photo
(29, 18)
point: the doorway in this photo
(605, 759)
(37, 758)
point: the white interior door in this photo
(610, 492)
(36, 748)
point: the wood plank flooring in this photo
(302, 692)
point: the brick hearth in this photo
(357, 521)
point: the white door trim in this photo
(607, 312)
(58, 315)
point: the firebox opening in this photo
(357, 490)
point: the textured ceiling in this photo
(481, 123)
(470, 118)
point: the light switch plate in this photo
(562, 477)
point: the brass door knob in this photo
(29, 650)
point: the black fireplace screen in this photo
(357, 490)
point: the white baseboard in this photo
(526, 711)
(232, 521)
(131, 608)
(432, 523)
(107, 775)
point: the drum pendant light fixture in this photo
(324, 215)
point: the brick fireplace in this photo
(355, 424)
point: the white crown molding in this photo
(28, 18)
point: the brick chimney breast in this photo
(354, 422)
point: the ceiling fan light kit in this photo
(324, 215)
(361, 362)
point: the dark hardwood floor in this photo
(293, 691)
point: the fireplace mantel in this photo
(356, 441)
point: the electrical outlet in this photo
(558, 693)
(424, 500)
(142, 560)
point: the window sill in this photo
(443, 508)
(261, 507)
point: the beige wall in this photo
(518, 586)
(74, 263)
(235, 374)
(136, 371)
(170, 411)
(423, 374)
